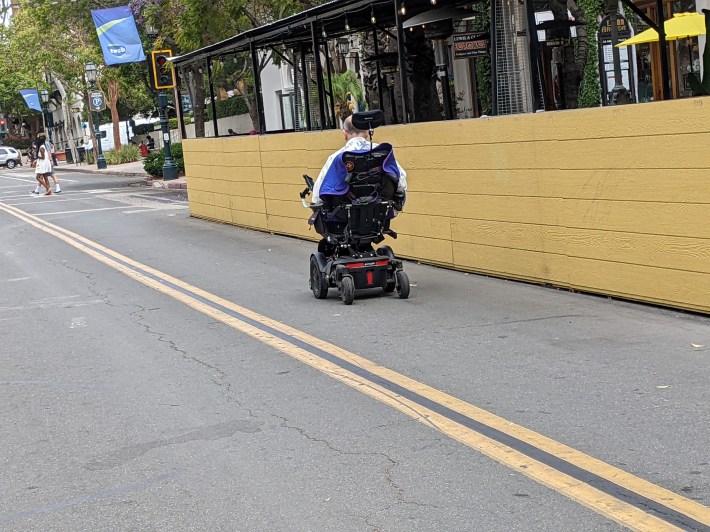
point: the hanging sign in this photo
(470, 45)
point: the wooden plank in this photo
(438, 227)
(289, 176)
(240, 174)
(329, 140)
(671, 253)
(283, 192)
(432, 250)
(291, 226)
(511, 263)
(240, 203)
(644, 184)
(249, 219)
(295, 161)
(533, 210)
(289, 209)
(689, 290)
(223, 214)
(657, 151)
(523, 236)
(671, 219)
(237, 188)
(499, 182)
(222, 200)
(200, 210)
(198, 196)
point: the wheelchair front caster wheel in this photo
(347, 290)
(402, 284)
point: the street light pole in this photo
(90, 70)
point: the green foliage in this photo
(701, 87)
(153, 164)
(90, 157)
(125, 154)
(230, 107)
(19, 143)
(347, 90)
(590, 93)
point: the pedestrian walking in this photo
(150, 141)
(43, 165)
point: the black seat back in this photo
(366, 175)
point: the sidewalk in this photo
(134, 169)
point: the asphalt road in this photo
(129, 401)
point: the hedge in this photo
(230, 107)
(153, 164)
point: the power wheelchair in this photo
(350, 224)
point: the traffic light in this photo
(3, 126)
(163, 75)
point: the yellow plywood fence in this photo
(613, 200)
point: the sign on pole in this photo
(97, 101)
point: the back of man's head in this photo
(351, 131)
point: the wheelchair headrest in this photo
(367, 120)
(360, 162)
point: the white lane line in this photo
(72, 197)
(33, 180)
(85, 210)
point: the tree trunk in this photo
(196, 88)
(113, 92)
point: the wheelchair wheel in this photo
(390, 286)
(402, 284)
(318, 282)
(347, 290)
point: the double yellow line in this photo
(614, 493)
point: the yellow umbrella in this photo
(681, 26)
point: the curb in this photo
(98, 172)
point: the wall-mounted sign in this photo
(97, 100)
(470, 45)
(606, 57)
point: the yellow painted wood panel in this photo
(438, 227)
(198, 196)
(514, 155)
(524, 236)
(511, 263)
(249, 219)
(236, 174)
(291, 226)
(688, 290)
(290, 209)
(672, 253)
(241, 203)
(673, 219)
(290, 176)
(239, 188)
(222, 200)
(645, 184)
(223, 214)
(433, 250)
(546, 211)
(632, 153)
(318, 140)
(200, 210)
(283, 192)
(294, 160)
(501, 182)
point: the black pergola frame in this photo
(309, 29)
(312, 27)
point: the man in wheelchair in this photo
(359, 190)
(331, 180)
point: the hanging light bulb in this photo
(433, 2)
(372, 16)
(411, 28)
(347, 26)
(403, 9)
(325, 35)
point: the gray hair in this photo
(350, 129)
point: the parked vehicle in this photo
(10, 157)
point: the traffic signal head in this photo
(163, 75)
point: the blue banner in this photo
(118, 35)
(31, 97)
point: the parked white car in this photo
(10, 157)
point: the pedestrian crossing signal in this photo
(163, 74)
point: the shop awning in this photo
(681, 26)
